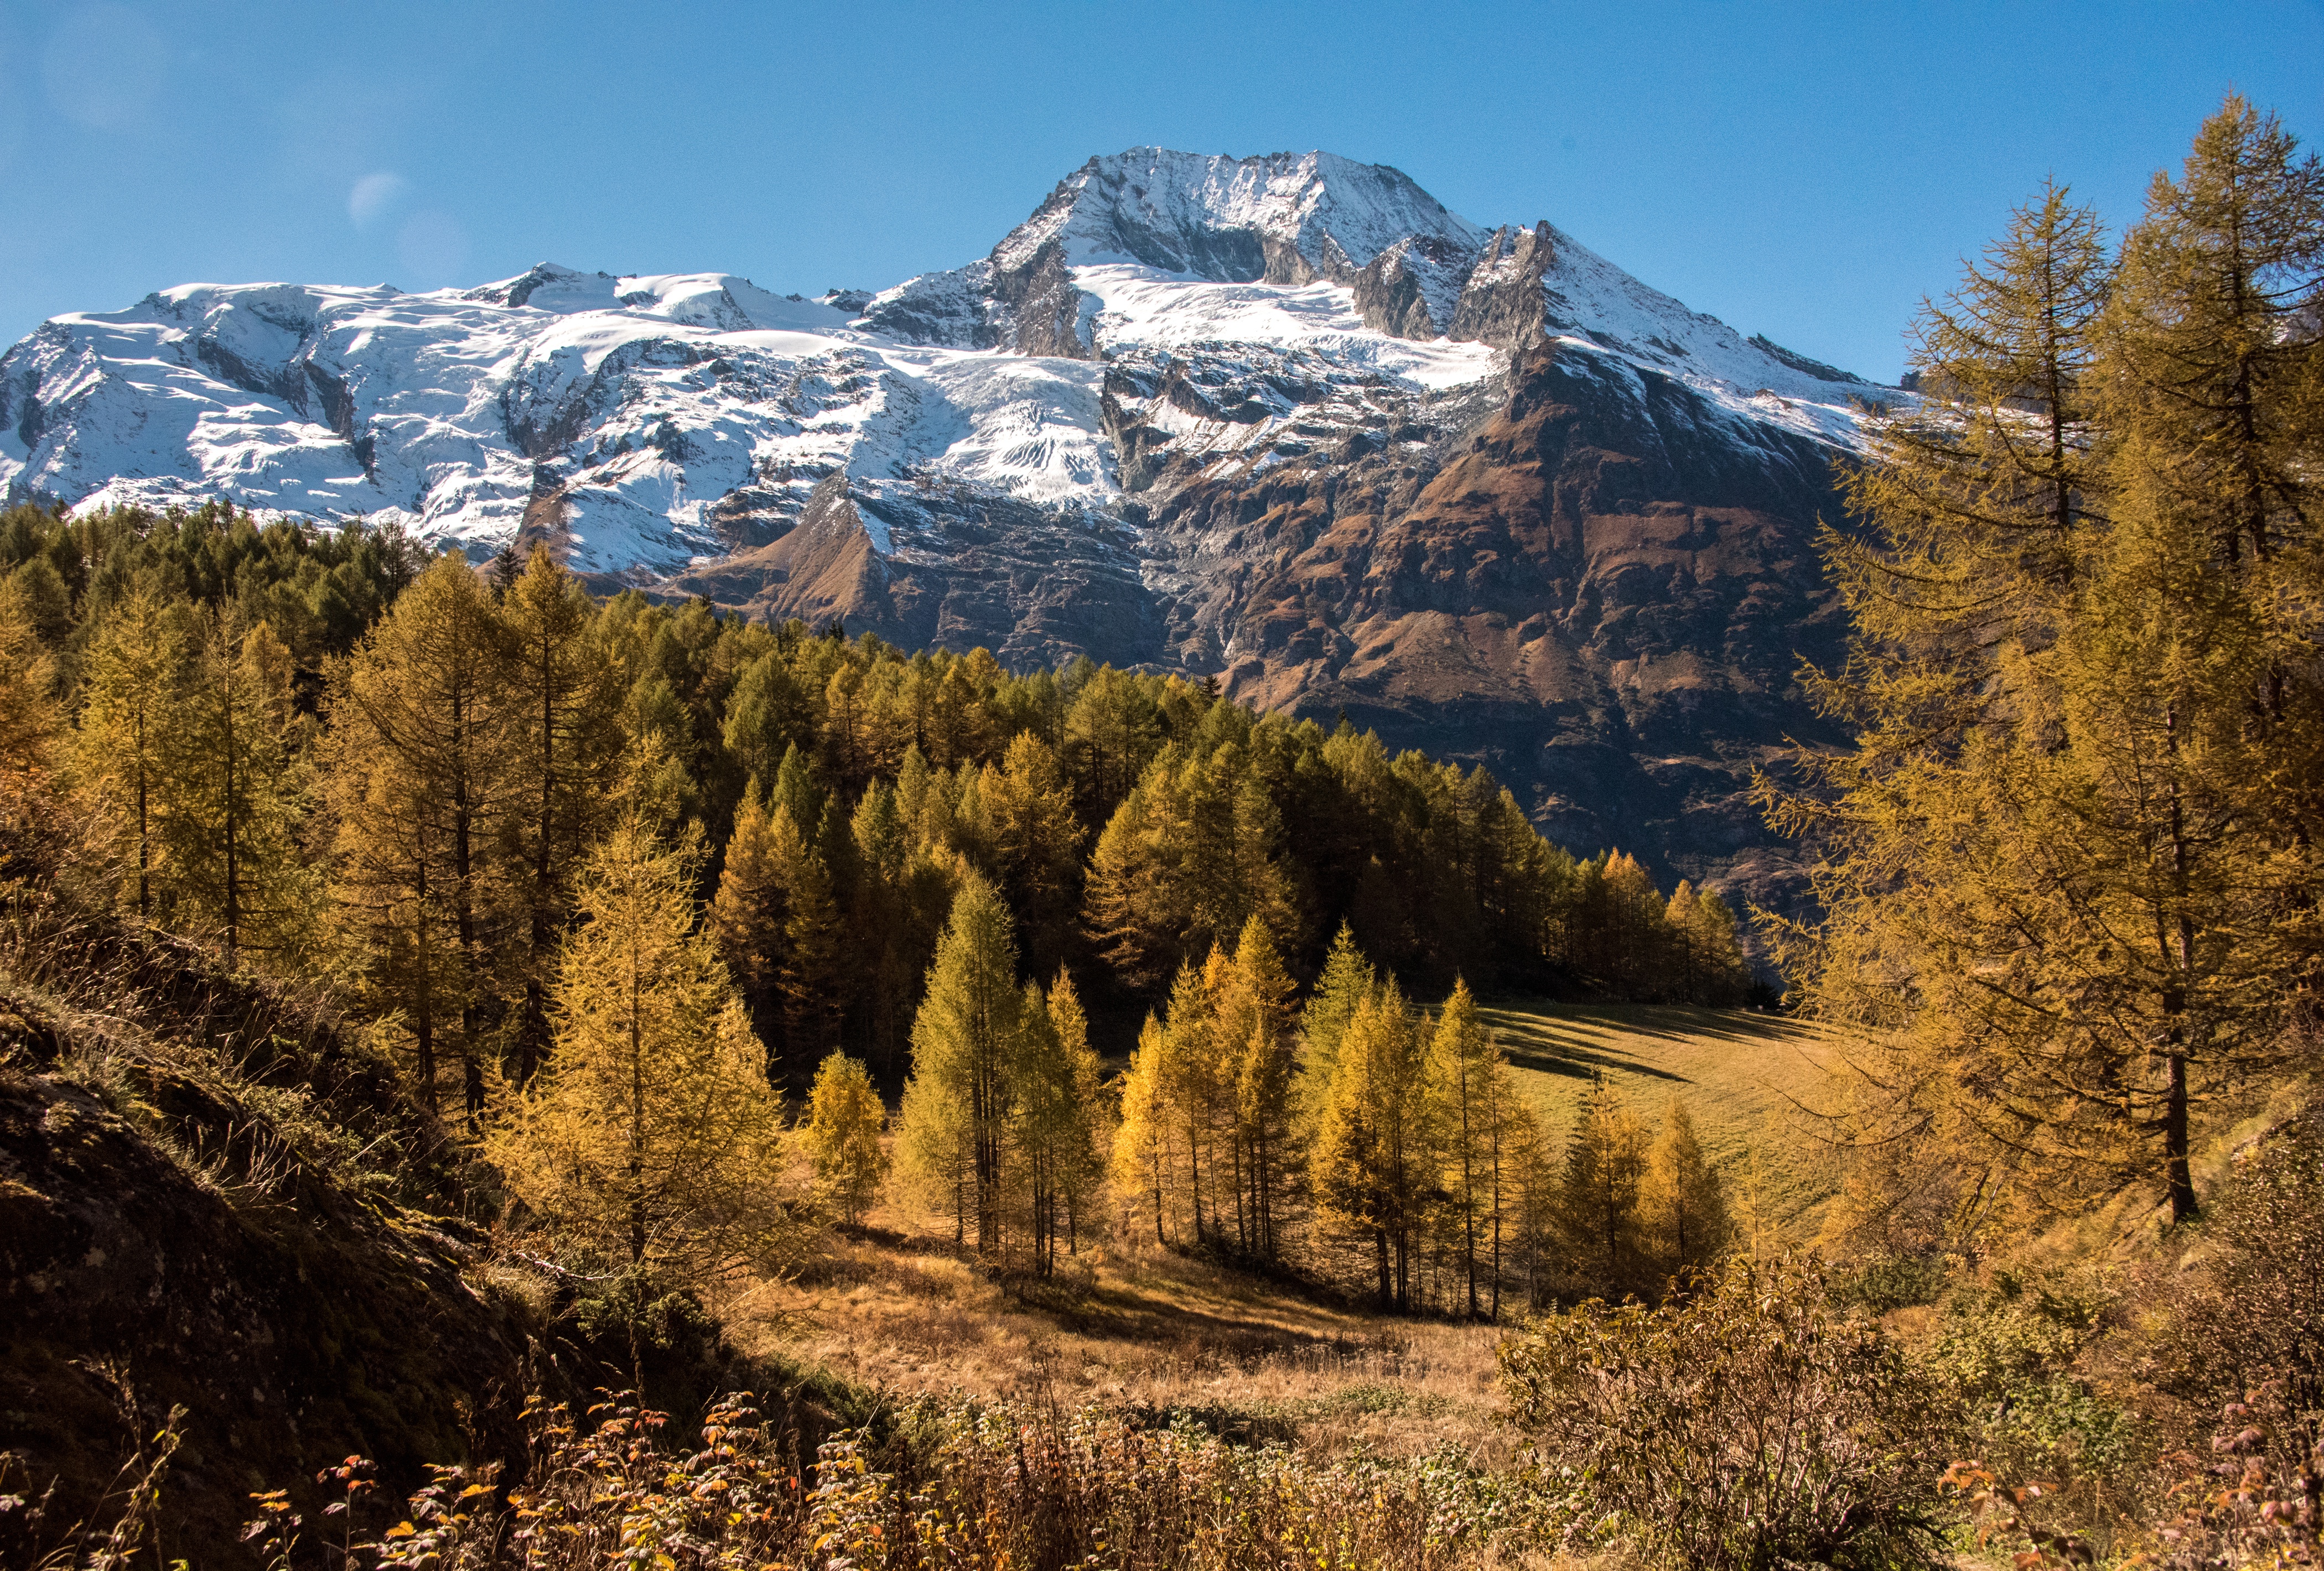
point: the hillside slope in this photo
(213, 1197)
(1748, 1081)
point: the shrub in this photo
(2251, 1497)
(1890, 1282)
(2237, 1353)
(1746, 1425)
(959, 1485)
(2015, 1351)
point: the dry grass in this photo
(899, 1308)
(1743, 1077)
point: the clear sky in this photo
(1806, 170)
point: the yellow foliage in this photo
(651, 1133)
(844, 1119)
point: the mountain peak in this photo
(1281, 217)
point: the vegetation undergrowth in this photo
(956, 1484)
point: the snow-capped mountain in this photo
(640, 404)
(1200, 410)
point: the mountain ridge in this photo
(1285, 420)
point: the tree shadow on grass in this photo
(1579, 1042)
(1664, 1022)
(1117, 1312)
(1580, 1064)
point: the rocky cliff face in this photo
(1589, 584)
(1285, 420)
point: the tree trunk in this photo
(1497, 1216)
(2177, 1178)
(2174, 1143)
(1194, 1175)
(1468, 1194)
(1242, 1229)
(145, 860)
(233, 865)
(424, 1027)
(533, 1043)
(637, 1117)
(464, 895)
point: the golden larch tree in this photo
(845, 1121)
(564, 692)
(133, 675)
(652, 1133)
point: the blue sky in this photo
(1809, 171)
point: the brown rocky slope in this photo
(1582, 575)
(213, 1198)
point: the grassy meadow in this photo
(1749, 1081)
(897, 1306)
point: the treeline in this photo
(341, 757)
(2072, 866)
(569, 847)
(1396, 1141)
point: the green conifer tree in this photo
(810, 976)
(962, 1041)
(750, 916)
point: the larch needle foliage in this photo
(1000, 1116)
(652, 1133)
(2072, 867)
(418, 780)
(965, 1044)
(29, 720)
(1371, 1165)
(133, 668)
(237, 792)
(845, 1121)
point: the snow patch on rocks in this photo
(665, 420)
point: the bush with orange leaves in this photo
(957, 1487)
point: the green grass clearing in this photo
(1742, 1076)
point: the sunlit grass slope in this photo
(1744, 1078)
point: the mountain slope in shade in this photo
(1284, 420)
